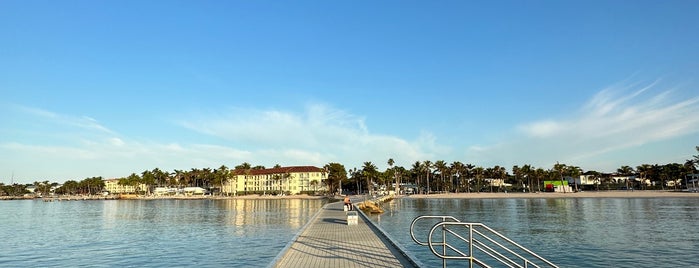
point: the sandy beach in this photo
(591, 194)
(303, 196)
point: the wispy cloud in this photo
(620, 117)
(83, 122)
(317, 135)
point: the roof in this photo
(281, 170)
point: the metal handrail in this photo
(412, 224)
(506, 252)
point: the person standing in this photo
(348, 203)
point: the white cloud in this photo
(316, 136)
(116, 142)
(83, 122)
(319, 135)
(542, 129)
(616, 118)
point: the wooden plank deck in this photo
(327, 241)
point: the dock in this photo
(328, 241)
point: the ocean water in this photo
(149, 233)
(594, 232)
(575, 232)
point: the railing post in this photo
(506, 246)
(444, 243)
(470, 246)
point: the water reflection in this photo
(574, 232)
(150, 233)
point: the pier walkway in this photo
(327, 241)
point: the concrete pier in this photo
(328, 241)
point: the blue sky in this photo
(107, 88)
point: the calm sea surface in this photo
(595, 232)
(575, 232)
(149, 233)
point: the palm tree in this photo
(574, 171)
(40, 188)
(457, 168)
(625, 171)
(369, 172)
(400, 172)
(560, 169)
(427, 167)
(148, 179)
(643, 171)
(336, 175)
(479, 172)
(595, 178)
(538, 174)
(416, 170)
(441, 166)
(354, 179)
(527, 171)
(159, 176)
(605, 180)
(132, 180)
(516, 171)
(221, 176)
(468, 173)
(243, 166)
(179, 177)
(69, 187)
(390, 163)
(499, 173)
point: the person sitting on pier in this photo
(348, 203)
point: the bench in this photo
(352, 217)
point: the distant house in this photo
(408, 188)
(497, 182)
(161, 191)
(557, 186)
(585, 180)
(291, 180)
(623, 178)
(31, 189)
(194, 191)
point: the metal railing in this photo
(477, 238)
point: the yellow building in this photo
(112, 186)
(290, 180)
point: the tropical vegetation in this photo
(427, 176)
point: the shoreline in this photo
(178, 197)
(499, 195)
(244, 197)
(586, 194)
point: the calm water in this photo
(594, 232)
(149, 233)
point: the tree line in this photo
(427, 176)
(440, 176)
